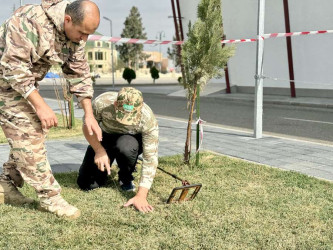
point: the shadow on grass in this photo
(68, 180)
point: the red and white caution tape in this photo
(273, 35)
(130, 40)
(200, 122)
(264, 36)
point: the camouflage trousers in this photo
(27, 159)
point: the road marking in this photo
(304, 120)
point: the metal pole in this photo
(178, 37)
(160, 55)
(160, 51)
(197, 156)
(258, 103)
(112, 61)
(175, 20)
(226, 71)
(21, 3)
(180, 20)
(289, 49)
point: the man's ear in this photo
(68, 19)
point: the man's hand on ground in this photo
(139, 201)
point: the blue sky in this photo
(154, 15)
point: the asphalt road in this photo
(292, 121)
(310, 123)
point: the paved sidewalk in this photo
(305, 157)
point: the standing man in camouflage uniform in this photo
(33, 39)
(129, 129)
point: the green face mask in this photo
(128, 108)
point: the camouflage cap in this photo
(128, 106)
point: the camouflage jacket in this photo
(104, 112)
(33, 40)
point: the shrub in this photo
(129, 75)
(180, 80)
(154, 73)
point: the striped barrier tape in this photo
(144, 41)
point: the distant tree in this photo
(173, 54)
(120, 64)
(154, 73)
(203, 56)
(132, 53)
(129, 75)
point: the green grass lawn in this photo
(59, 132)
(241, 206)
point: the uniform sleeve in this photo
(150, 154)
(77, 72)
(20, 51)
(48, 3)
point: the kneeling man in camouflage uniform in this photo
(129, 128)
(33, 39)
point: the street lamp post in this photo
(112, 62)
(160, 38)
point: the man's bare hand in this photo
(43, 111)
(47, 117)
(139, 201)
(93, 127)
(89, 119)
(102, 161)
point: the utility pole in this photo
(112, 62)
(289, 49)
(258, 103)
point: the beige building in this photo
(156, 59)
(99, 56)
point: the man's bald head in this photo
(80, 9)
(82, 18)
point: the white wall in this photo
(312, 54)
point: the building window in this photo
(98, 44)
(98, 55)
(100, 66)
(90, 56)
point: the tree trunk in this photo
(187, 153)
(70, 110)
